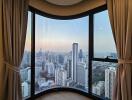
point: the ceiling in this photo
(65, 8)
(64, 2)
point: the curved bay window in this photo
(76, 55)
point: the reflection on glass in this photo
(25, 66)
(103, 78)
(104, 46)
(61, 57)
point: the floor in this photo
(63, 96)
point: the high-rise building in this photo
(74, 61)
(98, 89)
(110, 74)
(60, 77)
(68, 68)
(25, 89)
(61, 59)
(50, 68)
(80, 55)
(82, 75)
(29, 74)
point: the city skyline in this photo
(68, 70)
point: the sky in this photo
(59, 35)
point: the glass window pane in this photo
(26, 62)
(61, 57)
(103, 74)
(104, 45)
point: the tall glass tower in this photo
(74, 61)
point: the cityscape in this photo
(70, 69)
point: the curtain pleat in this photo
(14, 21)
(120, 13)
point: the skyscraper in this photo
(80, 55)
(25, 89)
(51, 68)
(109, 81)
(60, 77)
(61, 59)
(82, 75)
(74, 61)
(69, 67)
(98, 89)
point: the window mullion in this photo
(91, 49)
(33, 55)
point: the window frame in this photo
(91, 14)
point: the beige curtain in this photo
(1, 55)
(14, 24)
(120, 12)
